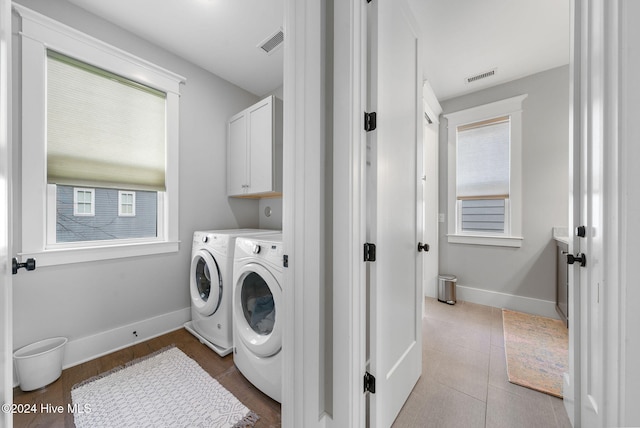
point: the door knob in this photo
(29, 265)
(580, 257)
(423, 247)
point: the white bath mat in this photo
(165, 389)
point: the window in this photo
(126, 204)
(96, 120)
(484, 179)
(84, 201)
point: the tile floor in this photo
(464, 376)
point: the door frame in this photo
(303, 213)
(349, 222)
(6, 249)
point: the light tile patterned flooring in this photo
(464, 376)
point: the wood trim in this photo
(482, 123)
(482, 198)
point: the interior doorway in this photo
(430, 184)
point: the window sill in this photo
(53, 257)
(494, 241)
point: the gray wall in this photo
(83, 299)
(528, 271)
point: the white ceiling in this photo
(218, 35)
(461, 37)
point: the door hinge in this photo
(369, 383)
(369, 121)
(285, 261)
(369, 252)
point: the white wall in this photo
(270, 213)
(87, 299)
(630, 216)
(529, 271)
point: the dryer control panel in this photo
(268, 250)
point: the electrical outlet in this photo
(441, 218)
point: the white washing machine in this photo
(257, 312)
(211, 285)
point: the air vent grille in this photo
(480, 76)
(272, 42)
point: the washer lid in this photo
(205, 283)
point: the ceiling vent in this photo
(272, 42)
(480, 76)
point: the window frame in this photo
(38, 34)
(121, 213)
(512, 236)
(92, 203)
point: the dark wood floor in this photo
(222, 369)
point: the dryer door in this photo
(257, 297)
(206, 283)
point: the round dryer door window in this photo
(258, 306)
(257, 300)
(206, 283)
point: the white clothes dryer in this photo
(257, 312)
(210, 284)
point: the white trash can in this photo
(447, 289)
(40, 363)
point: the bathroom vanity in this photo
(562, 276)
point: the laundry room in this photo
(103, 300)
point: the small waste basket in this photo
(40, 363)
(447, 289)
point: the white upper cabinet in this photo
(254, 151)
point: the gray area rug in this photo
(164, 389)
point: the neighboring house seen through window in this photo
(107, 221)
(484, 189)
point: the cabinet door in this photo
(260, 175)
(237, 156)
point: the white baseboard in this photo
(545, 308)
(87, 348)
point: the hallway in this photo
(464, 376)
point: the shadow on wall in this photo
(245, 211)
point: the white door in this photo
(587, 321)
(394, 209)
(6, 343)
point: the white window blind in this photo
(483, 159)
(102, 129)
